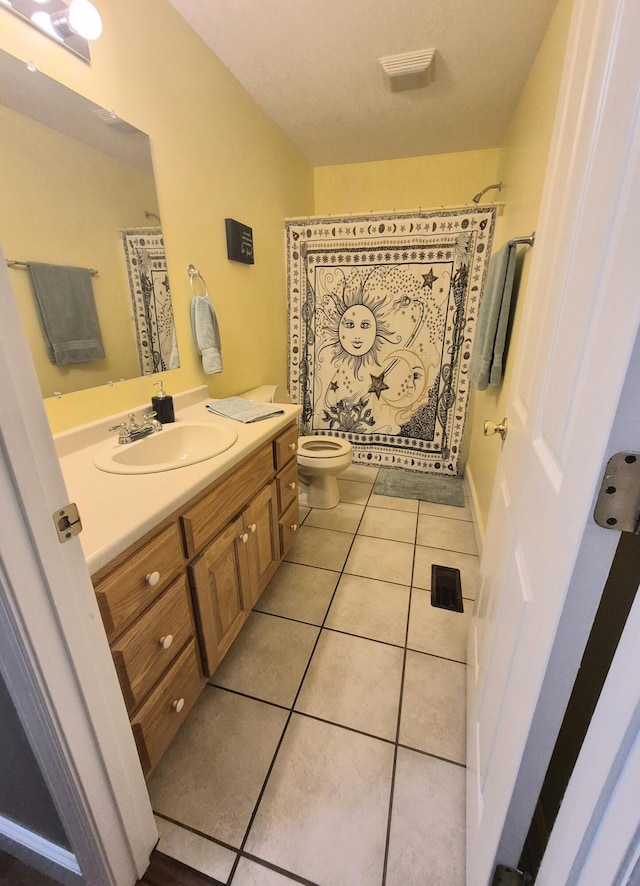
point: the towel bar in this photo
(529, 241)
(23, 264)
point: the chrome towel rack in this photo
(528, 241)
(23, 264)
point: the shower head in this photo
(478, 196)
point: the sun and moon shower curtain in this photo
(382, 313)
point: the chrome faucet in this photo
(133, 431)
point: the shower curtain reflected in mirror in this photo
(150, 299)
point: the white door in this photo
(54, 654)
(545, 561)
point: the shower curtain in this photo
(381, 316)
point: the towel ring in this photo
(194, 274)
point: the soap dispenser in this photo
(162, 405)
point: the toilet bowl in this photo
(320, 461)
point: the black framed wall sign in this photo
(239, 241)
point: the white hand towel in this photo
(206, 333)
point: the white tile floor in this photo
(330, 746)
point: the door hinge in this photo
(67, 522)
(618, 504)
(505, 876)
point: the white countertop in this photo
(118, 509)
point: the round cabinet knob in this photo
(152, 579)
(165, 642)
(293, 446)
(294, 527)
(178, 704)
(244, 538)
(292, 485)
(253, 527)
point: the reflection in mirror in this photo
(78, 191)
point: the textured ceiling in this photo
(313, 67)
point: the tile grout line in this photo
(385, 863)
(284, 731)
(296, 878)
(187, 827)
(353, 729)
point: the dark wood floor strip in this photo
(166, 871)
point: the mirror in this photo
(78, 190)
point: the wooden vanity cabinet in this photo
(174, 602)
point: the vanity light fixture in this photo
(72, 23)
(80, 18)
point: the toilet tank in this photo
(268, 394)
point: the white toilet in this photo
(320, 459)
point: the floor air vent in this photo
(446, 589)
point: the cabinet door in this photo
(263, 551)
(218, 576)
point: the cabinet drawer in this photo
(165, 710)
(288, 527)
(148, 647)
(139, 579)
(285, 447)
(287, 481)
(213, 511)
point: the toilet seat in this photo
(318, 446)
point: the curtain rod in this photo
(23, 264)
(421, 210)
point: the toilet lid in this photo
(318, 446)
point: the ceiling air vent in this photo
(115, 122)
(409, 70)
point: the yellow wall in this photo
(523, 161)
(66, 203)
(216, 155)
(436, 180)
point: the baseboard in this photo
(472, 495)
(39, 853)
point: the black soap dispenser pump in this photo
(162, 405)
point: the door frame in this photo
(54, 655)
(596, 836)
(53, 652)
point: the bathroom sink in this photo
(176, 446)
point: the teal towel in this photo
(487, 359)
(206, 334)
(64, 298)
